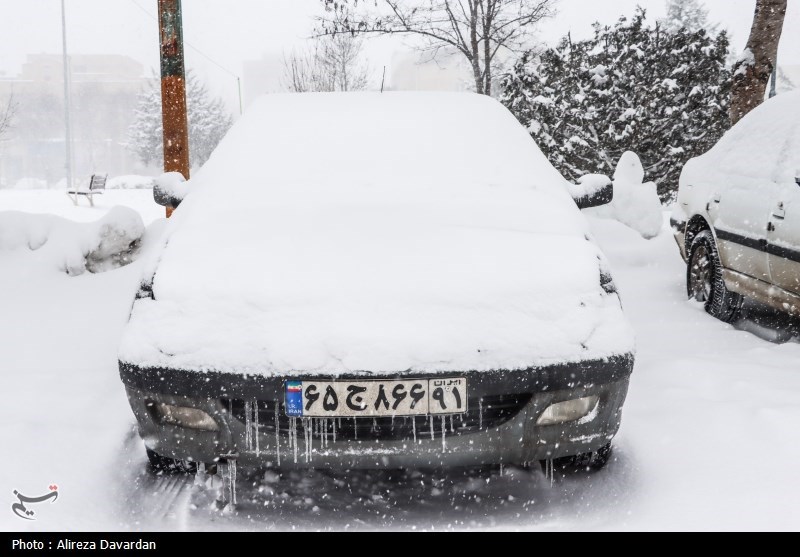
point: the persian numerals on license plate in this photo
(413, 397)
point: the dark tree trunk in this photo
(475, 50)
(752, 73)
(487, 54)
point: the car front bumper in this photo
(435, 443)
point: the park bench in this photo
(97, 186)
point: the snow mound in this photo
(635, 203)
(73, 247)
(337, 233)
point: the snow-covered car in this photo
(378, 280)
(737, 220)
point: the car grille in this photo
(483, 413)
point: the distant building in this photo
(104, 96)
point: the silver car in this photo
(378, 280)
(737, 221)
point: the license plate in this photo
(415, 397)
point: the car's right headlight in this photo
(568, 411)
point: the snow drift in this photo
(342, 233)
(636, 202)
(71, 247)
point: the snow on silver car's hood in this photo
(761, 151)
(338, 233)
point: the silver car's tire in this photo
(704, 282)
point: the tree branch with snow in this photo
(7, 114)
(334, 63)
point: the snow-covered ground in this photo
(708, 439)
(56, 202)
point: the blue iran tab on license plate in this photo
(294, 399)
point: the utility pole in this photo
(67, 100)
(173, 89)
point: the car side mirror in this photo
(593, 190)
(170, 189)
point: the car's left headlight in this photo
(183, 416)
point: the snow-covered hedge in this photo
(632, 86)
(72, 247)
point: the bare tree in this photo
(335, 63)
(477, 29)
(752, 72)
(7, 114)
(691, 15)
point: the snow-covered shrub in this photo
(72, 247)
(631, 87)
(635, 204)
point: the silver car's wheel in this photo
(701, 271)
(704, 281)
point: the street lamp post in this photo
(67, 99)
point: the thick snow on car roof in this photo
(377, 233)
(763, 147)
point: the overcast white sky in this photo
(230, 31)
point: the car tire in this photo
(704, 282)
(165, 465)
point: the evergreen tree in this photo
(631, 87)
(209, 121)
(689, 15)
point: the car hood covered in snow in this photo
(761, 151)
(347, 233)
